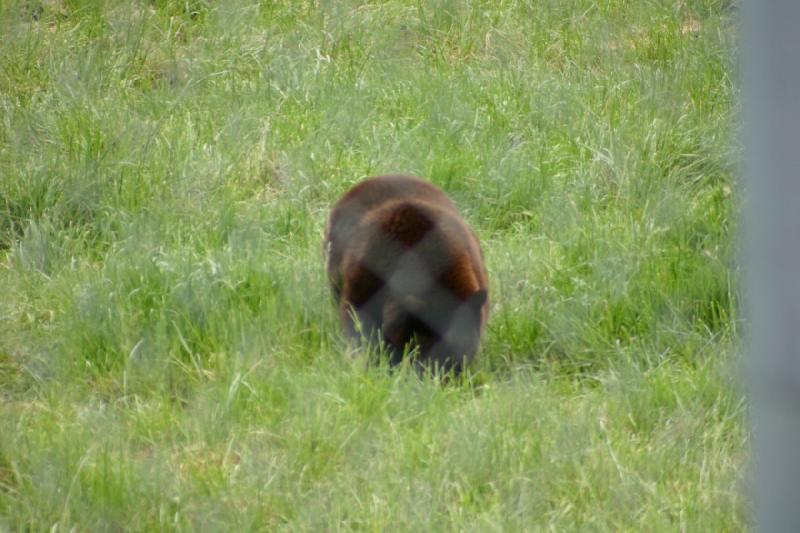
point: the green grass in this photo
(169, 354)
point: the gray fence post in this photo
(771, 75)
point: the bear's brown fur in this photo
(404, 265)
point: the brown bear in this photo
(407, 270)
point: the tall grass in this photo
(169, 355)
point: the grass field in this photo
(169, 352)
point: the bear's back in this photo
(350, 211)
(384, 216)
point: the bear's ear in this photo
(477, 300)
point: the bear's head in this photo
(445, 331)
